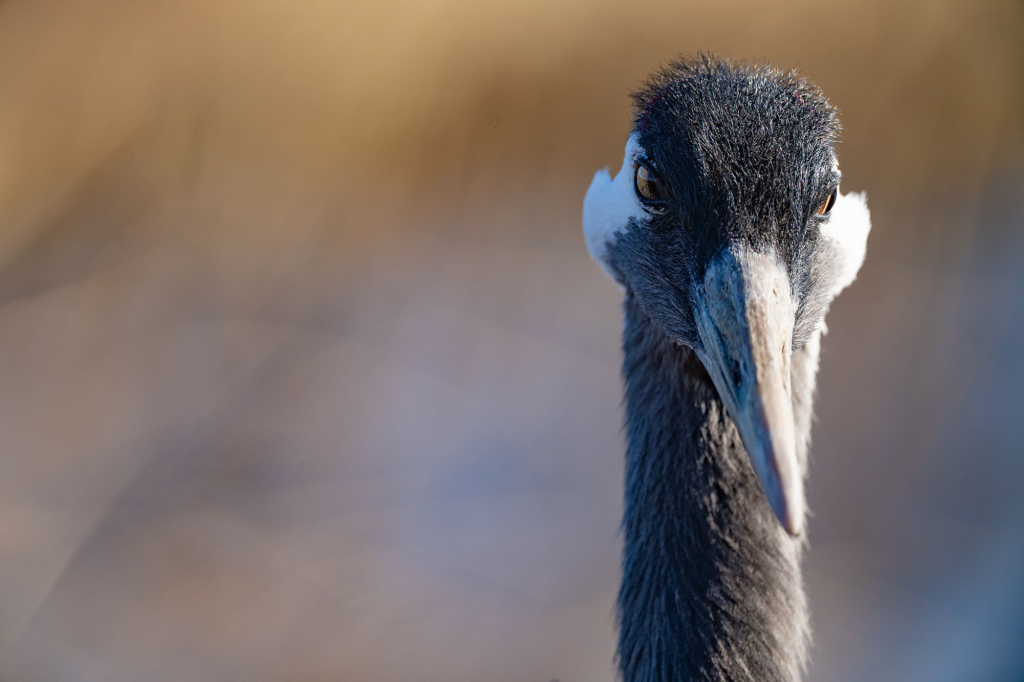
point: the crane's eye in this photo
(649, 189)
(827, 205)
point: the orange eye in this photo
(649, 188)
(827, 205)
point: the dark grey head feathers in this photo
(746, 155)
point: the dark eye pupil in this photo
(648, 187)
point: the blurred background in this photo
(306, 373)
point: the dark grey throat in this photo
(711, 585)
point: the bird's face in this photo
(726, 224)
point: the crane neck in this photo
(711, 584)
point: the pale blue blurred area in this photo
(307, 374)
(925, 463)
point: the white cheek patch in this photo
(847, 228)
(609, 205)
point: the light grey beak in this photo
(745, 320)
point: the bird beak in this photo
(745, 319)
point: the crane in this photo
(728, 235)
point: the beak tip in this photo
(790, 513)
(780, 479)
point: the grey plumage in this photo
(728, 267)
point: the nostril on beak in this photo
(737, 372)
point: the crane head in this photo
(727, 225)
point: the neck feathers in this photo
(711, 585)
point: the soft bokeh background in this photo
(306, 374)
